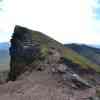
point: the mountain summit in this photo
(43, 69)
(32, 50)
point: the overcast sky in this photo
(65, 20)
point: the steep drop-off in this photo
(27, 48)
(43, 69)
(32, 50)
(87, 51)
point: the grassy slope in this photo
(4, 67)
(82, 61)
(47, 42)
(89, 52)
(4, 56)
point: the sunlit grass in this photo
(82, 61)
(45, 42)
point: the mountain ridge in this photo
(4, 45)
(87, 51)
(43, 69)
(26, 41)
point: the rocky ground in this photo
(39, 70)
(41, 86)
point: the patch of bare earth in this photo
(41, 86)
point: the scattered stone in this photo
(61, 68)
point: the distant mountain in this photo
(4, 56)
(89, 52)
(96, 46)
(34, 50)
(4, 45)
(41, 66)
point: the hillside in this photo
(43, 69)
(4, 56)
(87, 51)
(41, 44)
(4, 53)
(4, 61)
(4, 45)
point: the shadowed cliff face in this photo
(33, 51)
(22, 51)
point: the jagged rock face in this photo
(38, 64)
(22, 51)
(31, 50)
(27, 47)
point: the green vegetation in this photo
(98, 91)
(88, 52)
(44, 51)
(82, 61)
(41, 39)
(45, 42)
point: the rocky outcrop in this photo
(41, 71)
(28, 50)
(22, 51)
(32, 50)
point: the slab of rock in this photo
(31, 50)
